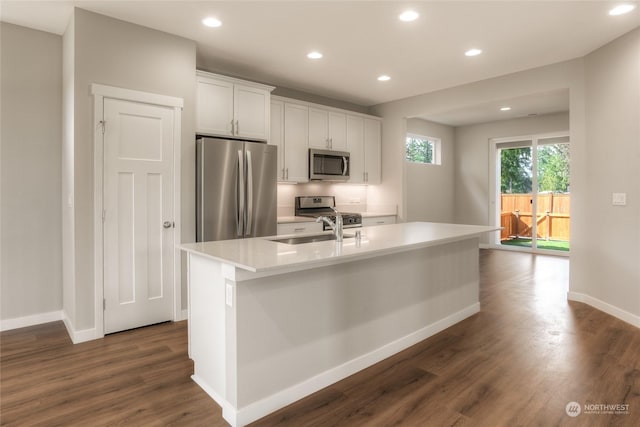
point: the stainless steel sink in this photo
(310, 239)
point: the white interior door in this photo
(138, 214)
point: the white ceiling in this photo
(535, 104)
(268, 41)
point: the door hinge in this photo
(102, 124)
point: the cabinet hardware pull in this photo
(237, 128)
(232, 128)
(287, 177)
(298, 229)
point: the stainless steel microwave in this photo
(328, 165)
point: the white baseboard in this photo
(614, 311)
(79, 336)
(184, 315)
(485, 246)
(257, 410)
(34, 319)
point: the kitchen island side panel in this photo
(297, 326)
(208, 326)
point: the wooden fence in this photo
(552, 220)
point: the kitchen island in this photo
(270, 322)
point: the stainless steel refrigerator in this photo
(236, 189)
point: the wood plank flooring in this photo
(518, 362)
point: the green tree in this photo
(553, 168)
(419, 150)
(515, 170)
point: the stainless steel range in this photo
(315, 206)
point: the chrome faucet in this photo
(335, 226)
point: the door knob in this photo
(167, 224)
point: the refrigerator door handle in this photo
(247, 231)
(240, 195)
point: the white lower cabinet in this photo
(299, 227)
(378, 220)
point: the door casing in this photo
(494, 187)
(100, 92)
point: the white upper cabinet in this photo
(214, 108)
(277, 133)
(290, 131)
(372, 148)
(363, 142)
(297, 126)
(296, 147)
(355, 146)
(327, 129)
(230, 107)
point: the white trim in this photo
(233, 80)
(100, 92)
(31, 320)
(103, 91)
(184, 314)
(177, 233)
(98, 206)
(259, 409)
(79, 336)
(612, 310)
(494, 207)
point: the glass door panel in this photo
(553, 193)
(516, 183)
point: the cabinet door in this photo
(277, 133)
(296, 148)
(214, 108)
(337, 131)
(299, 227)
(318, 128)
(251, 111)
(355, 146)
(378, 220)
(372, 147)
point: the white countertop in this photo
(262, 255)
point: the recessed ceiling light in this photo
(408, 16)
(505, 108)
(314, 55)
(621, 9)
(211, 22)
(473, 52)
(384, 78)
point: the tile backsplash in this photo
(349, 198)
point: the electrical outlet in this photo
(619, 199)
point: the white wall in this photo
(604, 89)
(31, 134)
(472, 184)
(116, 53)
(611, 264)
(430, 188)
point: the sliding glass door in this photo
(532, 192)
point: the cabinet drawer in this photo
(299, 227)
(378, 220)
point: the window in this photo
(423, 149)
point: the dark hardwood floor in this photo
(518, 362)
